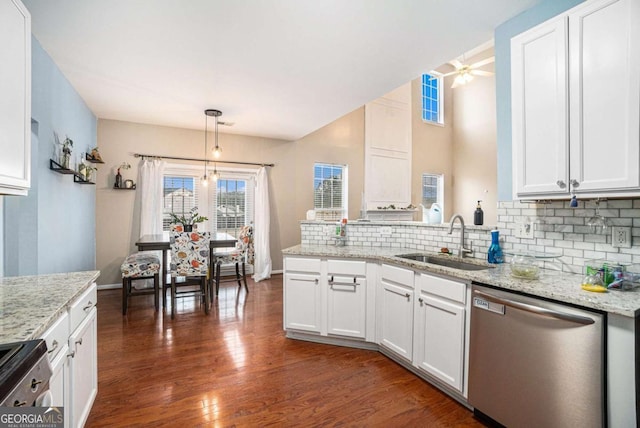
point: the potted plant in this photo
(189, 219)
(67, 144)
(123, 165)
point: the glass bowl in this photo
(524, 267)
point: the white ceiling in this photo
(277, 68)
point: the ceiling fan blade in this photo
(481, 73)
(449, 74)
(457, 64)
(483, 62)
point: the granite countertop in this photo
(29, 305)
(555, 285)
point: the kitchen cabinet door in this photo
(395, 311)
(604, 48)
(15, 102)
(440, 338)
(302, 302)
(84, 369)
(539, 105)
(346, 306)
(59, 382)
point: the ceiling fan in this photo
(465, 73)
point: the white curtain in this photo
(150, 175)
(262, 263)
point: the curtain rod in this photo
(140, 155)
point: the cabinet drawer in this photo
(302, 265)
(446, 288)
(398, 275)
(82, 307)
(57, 336)
(346, 267)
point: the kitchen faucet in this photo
(463, 250)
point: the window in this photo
(180, 196)
(432, 98)
(432, 190)
(330, 191)
(228, 204)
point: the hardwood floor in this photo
(236, 368)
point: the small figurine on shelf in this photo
(118, 184)
(95, 155)
(89, 172)
(67, 144)
(82, 168)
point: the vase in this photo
(64, 160)
(188, 227)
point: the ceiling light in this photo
(217, 150)
(216, 175)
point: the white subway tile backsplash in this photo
(558, 228)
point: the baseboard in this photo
(109, 286)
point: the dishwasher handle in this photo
(536, 309)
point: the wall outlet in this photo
(385, 231)
(524, 230)
(620, 237)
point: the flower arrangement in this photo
(189, 218)
(123, 165)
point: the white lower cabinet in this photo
(440, 329)
(395, 311)
(72, 348)
(83, 373)
(347, 298)
(302, 299)
(329, 298)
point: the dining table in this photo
(160, 242)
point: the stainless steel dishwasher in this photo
(533, 363)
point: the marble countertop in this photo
(555, 285)
(29, 305)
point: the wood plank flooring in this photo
(236, 368)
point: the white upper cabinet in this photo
(15, 98)
(540, 109)
(576, 103)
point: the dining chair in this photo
(140, 266)
(189, 260)
(240, 256)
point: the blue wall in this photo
(502, 36)
(53, 228)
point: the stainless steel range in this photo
(24, 374)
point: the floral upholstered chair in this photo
(240, 256)
(138, 266)
(189, 259)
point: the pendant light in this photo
(217, 150)
(205, 180)
(216, 175)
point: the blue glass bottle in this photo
(495, 252)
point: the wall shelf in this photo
(77, 178)
(91, 159)
(125, 188)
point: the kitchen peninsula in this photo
(366, 296)
(61, 309)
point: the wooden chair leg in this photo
(125, 295)
(238, 274)
(173, 296)
(218, 266)
(244, 277)
(205, 293)
(156, 290)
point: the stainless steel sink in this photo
(441, 261)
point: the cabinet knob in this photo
(561, 184)
(79, 342)
(89, 306)
(421, 301)
(71, 354)
(54, 346)
(575, 183)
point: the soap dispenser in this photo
(478, 215)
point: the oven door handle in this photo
(550, 313)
